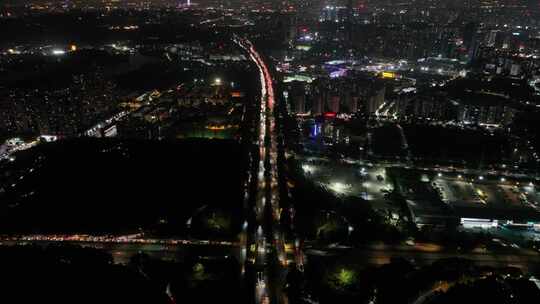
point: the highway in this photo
(270, 257)
(122, 251)
(130, 239)
(372, 256)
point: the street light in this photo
(308, 168)
(58, 52)
(338, 187)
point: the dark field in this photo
(445, 144)
(111, 186)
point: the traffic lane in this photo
(370, 257)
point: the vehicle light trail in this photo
(268, 282)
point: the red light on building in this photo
(330, 115)
(236, 94)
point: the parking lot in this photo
(367, 182)
(512, 195)
(459, 192)
(532, 196)
(492, 195)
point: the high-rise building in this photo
(471, 40)
(334, 103)
(515, 69)
(349, 23)
(331, 13)
(317, 105)
(298, 97)
(353, 105)
(475, 113)
(375, 99)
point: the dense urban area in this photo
(270, 152)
